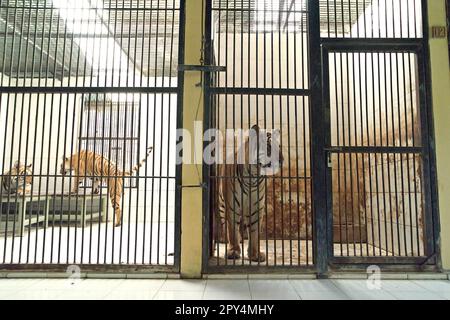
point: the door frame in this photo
(323, 261)
(431, 233)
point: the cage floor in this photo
(287, 253)
(96, 244)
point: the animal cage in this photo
(90, 96)
(335, 90)
(343, 81)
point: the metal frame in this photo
(87, 89)
(320, 125)
(430, 237)
(432, 225)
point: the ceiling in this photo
(287, 15)
(37, 39)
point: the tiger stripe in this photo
(89, 164)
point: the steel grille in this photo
(97, 76)
(354, 188)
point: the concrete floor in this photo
(94, 244)
(288, 252)
(224, 289)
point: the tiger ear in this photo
(256, 128)
(17, 164)
(30, 166)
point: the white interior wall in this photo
(50, 130)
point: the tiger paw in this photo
(118, 224)
(96, 191)
(233, 255)
(258, 258)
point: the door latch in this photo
(329, 160)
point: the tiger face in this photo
(264, 148)
(19, 179)
(66, 166)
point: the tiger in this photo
(242, 190)
(98, 168)
(19, 179)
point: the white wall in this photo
(52, 124)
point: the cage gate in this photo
(89, 109)
(355, 186)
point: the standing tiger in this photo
(89, 164)
(19, 179)
(242, 190)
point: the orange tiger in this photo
(19, 179)
(89, 164)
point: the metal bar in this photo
(60, 87)
(88, 90)
(317, 143)
(392, 150)
(260, 91)
(370, 44)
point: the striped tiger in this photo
(89, 164)
(19, 179)
(242, 190)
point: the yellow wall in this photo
(191, 219)
(441, 105)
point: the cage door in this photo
(378, 197)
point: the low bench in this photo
(19, 211)
(77, 209)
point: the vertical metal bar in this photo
(381, 142)
(41, 161)
(356, 143)
(6, 129)
(52, 99)
(397, 213)
(30, 213)
(272, 85)
(341, 108)
(139, 124)
(406, 130)
(363, 156)
(93, 127)
(306, 110)
(431, 192)
(400, 143)
(350, 143)
(111, 140)
(374, 131)
(388, 156)
(329, 216)
(35, 131)
(414, 129)
(181, 43)
(288, 118)
(338, 142)
(296, 142)
(265, 126)
(431, 230)
(16, 196)
(318, 128)
(172, 30)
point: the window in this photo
(109, 127)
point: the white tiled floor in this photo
(223, 289)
